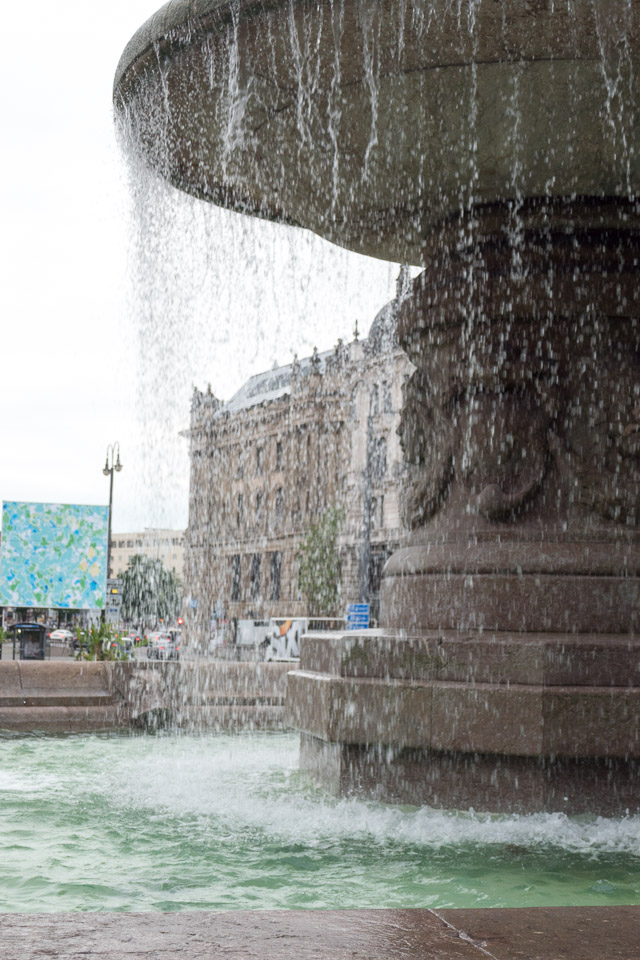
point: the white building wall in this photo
(166, 545)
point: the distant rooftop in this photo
(270, 385)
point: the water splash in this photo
(474, 137)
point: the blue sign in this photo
(358, 616)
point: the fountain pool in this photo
(167, 822)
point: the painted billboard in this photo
(53, 555)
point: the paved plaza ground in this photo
(568, 933)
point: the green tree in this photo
(150, 592)
(319, 576)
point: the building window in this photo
(279, 505)
(259, 460)
(236, 576)
(258, 507)
(276, 570)
(374, 408)
(379, 458)
(239, 510)
(296, 592)
(255, 576)
(129, 543)
(279, 455)
(240, 467)
(373, 513)
(387, 404)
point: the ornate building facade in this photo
(292, 442)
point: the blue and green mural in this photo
(53, 555)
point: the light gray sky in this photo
(96, 350)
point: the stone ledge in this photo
(60, 719)
(560, 659)
(79, 696)
(542, 933)
(515, 720)
(34, 698)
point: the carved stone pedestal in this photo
(522, 430)
(522, 424)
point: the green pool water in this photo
(228, 822)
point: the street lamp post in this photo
(111, 463)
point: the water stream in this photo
(369, 124)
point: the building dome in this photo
(383, 335)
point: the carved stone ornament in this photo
(502, 444)
(427, 437)
(603, 430)
(526, 343)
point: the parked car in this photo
(133, 635)
(163, 646)
(153, 641)
(175, 644)
(64, 635)
(121, 648)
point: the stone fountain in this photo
(495, 144)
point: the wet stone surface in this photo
(573, 933)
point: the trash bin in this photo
(31, 639)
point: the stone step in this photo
(75, 696)
(37, 698)
(60, 719)
(209, 717)
(223, 700)
(64, 675)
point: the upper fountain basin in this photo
(368, 122)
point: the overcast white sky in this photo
(87, 358)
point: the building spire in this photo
(403, 283)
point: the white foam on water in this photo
(14, 783)
(251, 784)
(227, 822)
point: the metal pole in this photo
(365, 556)
(109, 533)
(114, 450)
